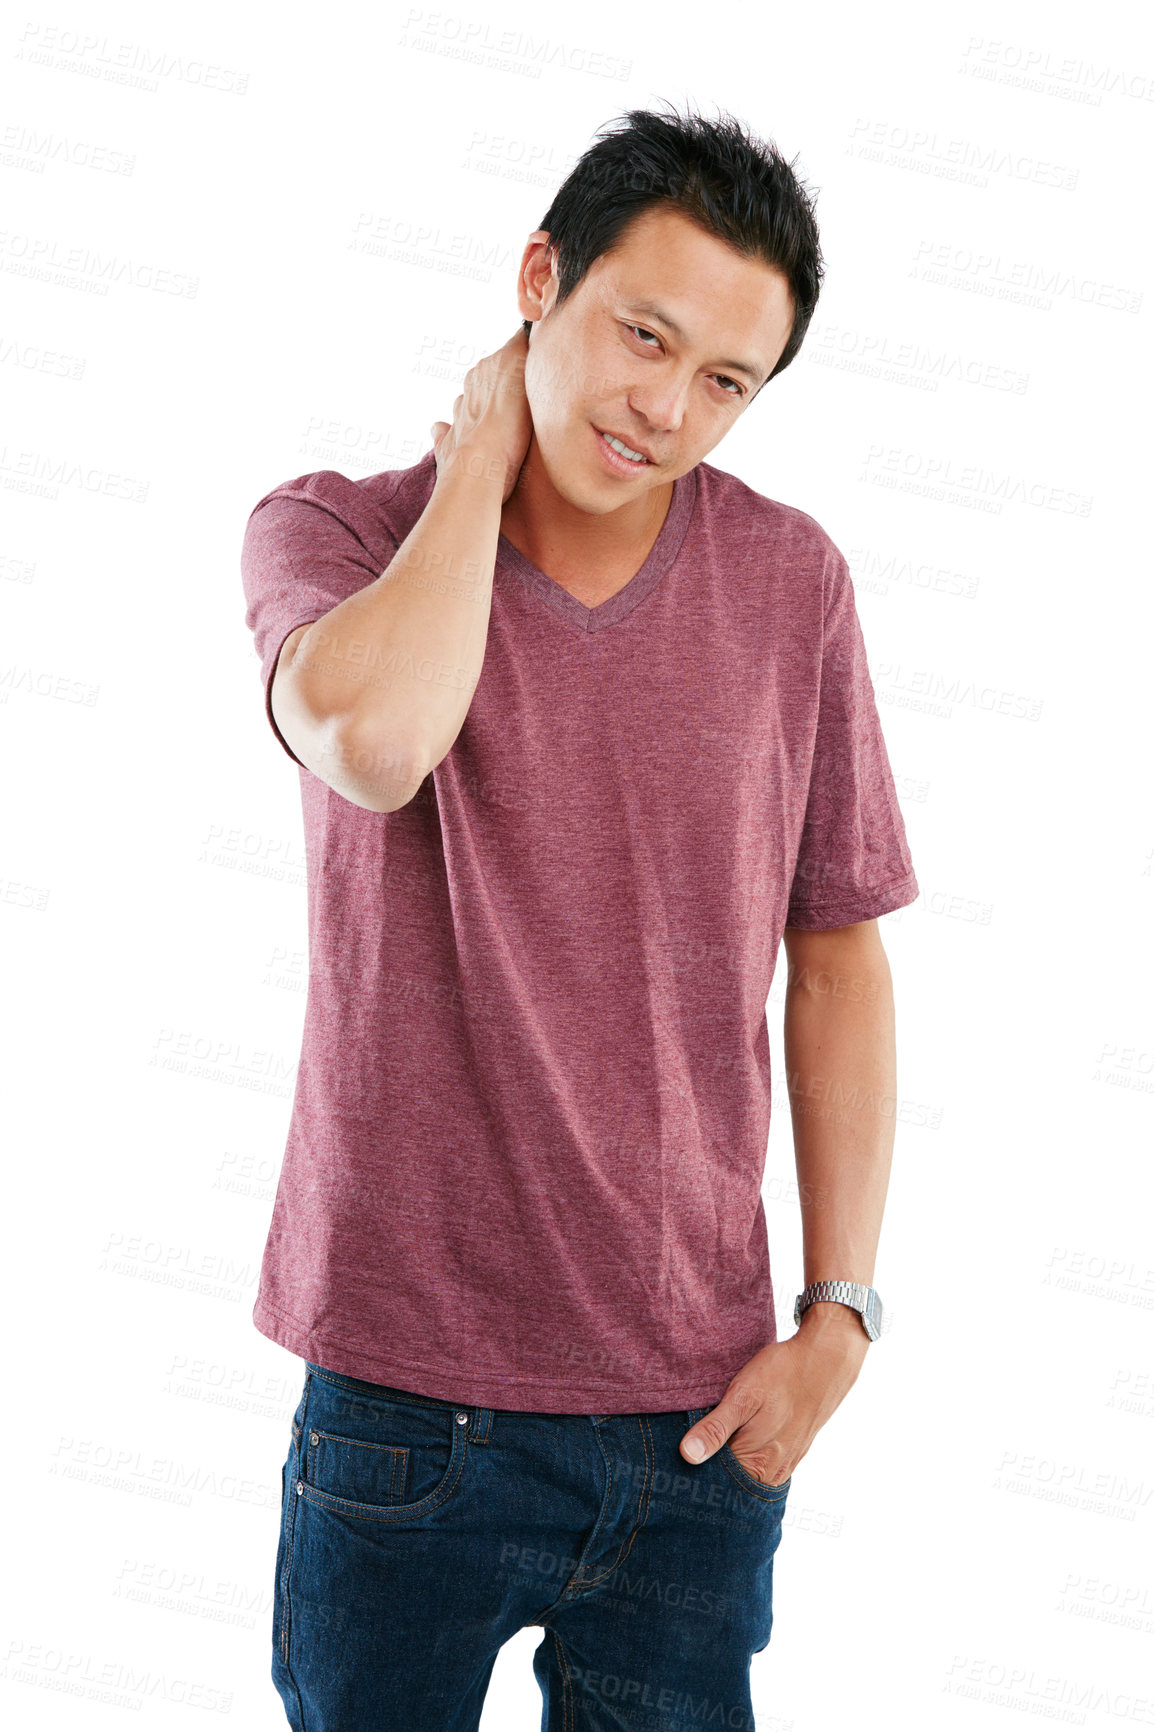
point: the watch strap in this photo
(859, 1297)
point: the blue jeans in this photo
(417, 1536)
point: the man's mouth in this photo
(622, 448)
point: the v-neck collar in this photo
(660, 557)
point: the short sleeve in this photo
(301, 555)
(853, 859)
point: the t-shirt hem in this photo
(498, 1390)
(846, 910)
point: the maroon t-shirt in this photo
(531, 1115)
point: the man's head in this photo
(674, 274)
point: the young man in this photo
(585, 730)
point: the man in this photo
(585, 731)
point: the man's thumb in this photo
(707, 1436)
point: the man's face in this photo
(671, 386)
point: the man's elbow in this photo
(378, 775)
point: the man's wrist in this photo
(830, 1320)
(472, 464)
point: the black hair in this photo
(716, 172)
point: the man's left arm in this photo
(841, 1067)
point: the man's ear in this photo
(533, 260)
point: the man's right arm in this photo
(372, 695)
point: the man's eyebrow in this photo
(654, 312)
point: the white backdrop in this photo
(239, 245)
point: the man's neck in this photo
(592, 555)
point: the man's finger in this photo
(707, 1436)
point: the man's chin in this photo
(579, 479)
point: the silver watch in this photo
(859, 1298)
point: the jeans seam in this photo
(643, 1496)
(290, 1538)
(568, 1695)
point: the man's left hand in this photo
(777, 1403)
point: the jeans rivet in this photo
(314, 1437)
(300, 1486)
(462, 1419)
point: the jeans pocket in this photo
(747, 1481)
(365, 1472)
(750, 1482)
(380, 1456)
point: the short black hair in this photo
(735, 185)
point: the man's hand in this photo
(776, 1405)
(491, 417)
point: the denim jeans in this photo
(417, 1536)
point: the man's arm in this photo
(841, 1070)
(372, 695)
(841, 1067)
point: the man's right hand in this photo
(491, 417)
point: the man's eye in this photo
(737, 389)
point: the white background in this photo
(240, 245)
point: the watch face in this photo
(872, 1316)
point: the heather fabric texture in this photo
(525, 1156)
